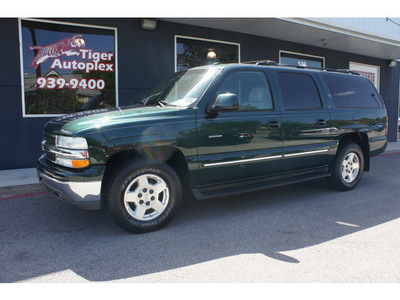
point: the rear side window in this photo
(298, 91)
(351, 91)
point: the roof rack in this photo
(325, 69)
(274, 63)
(262, 62)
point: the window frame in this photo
(24, 114)
(176, 37)
(306, 56)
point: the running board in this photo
(224, 190)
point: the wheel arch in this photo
(172, 156)
(361, 139)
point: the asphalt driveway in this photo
(300, 233)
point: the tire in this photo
(144, 196)
(347, 168)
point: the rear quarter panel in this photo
(370, 121)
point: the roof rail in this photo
(273, 63)
(261, 62)
(325, 69)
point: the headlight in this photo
(71, 142)
(70, 152)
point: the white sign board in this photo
(368, 71)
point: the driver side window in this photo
(251, 88)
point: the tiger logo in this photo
(66, 47)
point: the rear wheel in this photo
(144, 196)
(347, 168)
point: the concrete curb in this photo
(18, 190)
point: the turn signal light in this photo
(80, 163)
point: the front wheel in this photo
(347, 168)
(144, 196)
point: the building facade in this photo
(53, 67)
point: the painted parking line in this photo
(25, 195)
(387, 154)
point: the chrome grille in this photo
(50, 139)
(50, 156)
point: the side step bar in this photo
(224, 190)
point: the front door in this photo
(245, 143)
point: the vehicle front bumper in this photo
(82, 190)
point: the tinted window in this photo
(251, 88)
(298, 91)
(351, 91)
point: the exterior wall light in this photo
(392, 63)
(148, 24)
(211, 55)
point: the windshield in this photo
(181, 89)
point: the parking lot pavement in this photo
(300, 233)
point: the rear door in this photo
(305, 121)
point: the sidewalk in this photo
(393, 147)
(19, 182)
(24, 181)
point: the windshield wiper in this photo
(162, 103)
(153, 100)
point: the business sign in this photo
(368, 71)
(66, 67)
(301, 60)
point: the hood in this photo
(101, 118)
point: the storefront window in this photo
(192, 52)
(301, 60)
(66, 67)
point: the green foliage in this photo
(196, 55)
(53, 102)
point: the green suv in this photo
(214, 131)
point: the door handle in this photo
(320, 122)
(274, 124)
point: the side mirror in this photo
(225, 102)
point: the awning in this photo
(314, 32)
